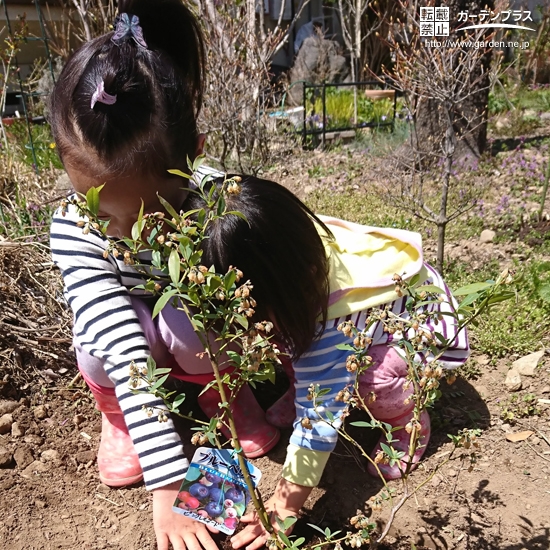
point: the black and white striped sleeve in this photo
(107, 327)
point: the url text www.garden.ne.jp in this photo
(479, 44)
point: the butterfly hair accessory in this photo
(101, 96)
(127, 25)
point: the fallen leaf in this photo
(519, 436)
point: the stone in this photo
(33, 439)
(51, 455)
(526, 365)
(318, 60)
(7, 407)
(6, 422)
(6, 457)
(78, 419)
(23, 456)
(545, 116)
(40, 412)
(513, 380)
(487, 236)
(34, 468)
(17, 430)
(84, 457)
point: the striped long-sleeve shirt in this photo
(325, 365)
(106, 327)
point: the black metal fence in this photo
(323, 129)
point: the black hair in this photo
(279, 248)
(152, 126)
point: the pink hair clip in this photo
(102, 96)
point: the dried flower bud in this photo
(161, 239)
(306, 424)
(451, 379)
(80, 223)
(233, 188)
(106, 253)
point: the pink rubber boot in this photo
(117, 459)
(404, 438)
(385, 380)
(283, 412)
(257, 437)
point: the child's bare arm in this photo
(287, 501)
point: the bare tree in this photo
(353, 14)
(447, 77)
(240, 48)
(82, 20)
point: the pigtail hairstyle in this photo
(279, 248)
(152, 126)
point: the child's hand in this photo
(287, 501)
(171, 528)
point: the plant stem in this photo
(544, 190)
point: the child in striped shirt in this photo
(123, 112)
(310, 274)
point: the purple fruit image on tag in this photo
(214, 491)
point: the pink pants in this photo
(386, 378)
(172, 342)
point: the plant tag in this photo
(214, 491)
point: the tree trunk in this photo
(470, 117)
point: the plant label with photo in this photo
(214, 491)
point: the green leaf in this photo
(92, 199)
(414, 279)
(470, 289)
(345, 347)
(156, 259)
(235, 357)
(229, 280)
(168, 207)
(242, 320)
(330, 416)
(178, 400)
(289, 522)
(221, 205)
(502, 297)
(174, 266)
(160, 371)
(470, 299)
(159, 383)
(317, 529)
(198, 162)
(431, 288)
(236, 213)
(137, 228)
(180, 173)
(362, 424)
(163, 300)
(151, 364)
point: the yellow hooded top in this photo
(362, 262)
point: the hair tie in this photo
(101, 96)
(128, 25)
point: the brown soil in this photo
(52, 498)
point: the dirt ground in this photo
(51, 497)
